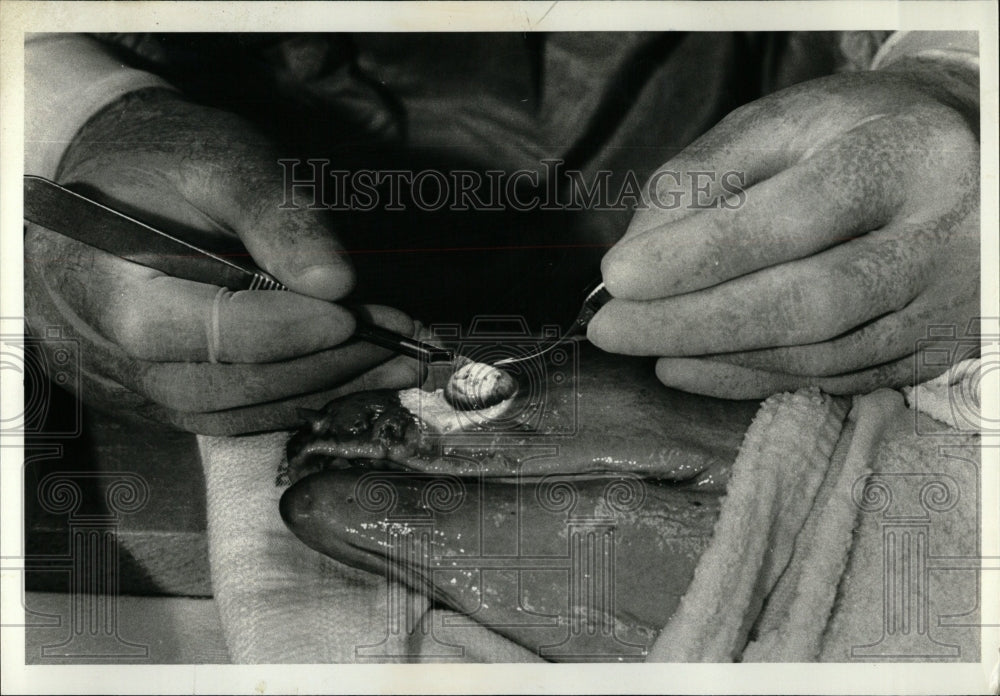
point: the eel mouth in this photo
(311, 512)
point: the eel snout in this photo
(504, 553)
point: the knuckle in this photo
(806, 313)
(743, 113)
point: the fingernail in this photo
(325, 281)
(615, 271)
(392, 319)
(596, 332)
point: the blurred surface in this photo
(161, 547)
(148, 630)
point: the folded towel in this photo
(780, 466)
(837, 541)
(798, 608)
(281, 602)
(910, 589)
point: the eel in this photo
(608, 567)
(592, 462)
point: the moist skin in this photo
(658, 541)
(404, 427)
(623, 419)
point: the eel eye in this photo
(315, 419)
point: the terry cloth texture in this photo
(279, 600)
(839, 540)
(781, 464)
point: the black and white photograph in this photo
(518, 344)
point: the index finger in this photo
(800, 302)
(237, 181)
(839, 192)
(162, 318)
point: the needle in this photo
(596, 297)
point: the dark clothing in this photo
(623, 102)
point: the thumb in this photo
(299, 248)
(212, 171)
(295, 244)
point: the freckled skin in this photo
(857, 231)
(148, 339)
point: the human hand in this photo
(858, 228)
(196, 355)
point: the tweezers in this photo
(81, 218)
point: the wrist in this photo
(68, 79)
(942, 63)
(953, 84)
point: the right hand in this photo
(146, 340)
(858, 231)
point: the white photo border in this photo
(18, 17)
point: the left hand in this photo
(857, 229)
(194, 354)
